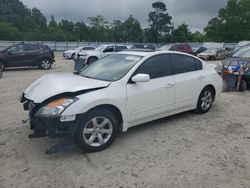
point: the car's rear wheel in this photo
(205, 100)
(45, 64)
(97, 130)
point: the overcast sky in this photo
(196, 13)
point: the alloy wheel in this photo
(206, 100)
(97, 131)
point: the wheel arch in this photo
(213, 90)
(92, 56)
(113, 109)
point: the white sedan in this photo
(88, 57)
(70, 54)
(117, 92)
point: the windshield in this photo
(211, 50)
(100, 48)
(111, 68)
(242, 52)
(79, 48)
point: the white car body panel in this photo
(60, 83)
(139, 102)
(97, 54)
(69, 53)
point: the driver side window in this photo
(156, 67)
(109, 49)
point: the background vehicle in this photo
(89, 57)
(21, 55)
(177, 47)
(117, 92)
(70, 54)
(241, 55)
(136, 46)
(214, 54)
(198, 50)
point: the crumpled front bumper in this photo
(52, 127)
(47, 126)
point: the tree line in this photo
(17, 22)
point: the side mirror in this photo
(141, 78)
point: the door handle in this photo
(201, 77)
(22, 54)
(169, 85)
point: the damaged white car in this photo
(117, 92)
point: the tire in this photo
(91, 60)
(243, 86)
(45, 64)
(90, 135)
(205, 100)
(2, 66)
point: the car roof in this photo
(150, 53)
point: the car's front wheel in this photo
(97, 130)
(45, 64)
(92, 60)
(205, 100)
(2, 66)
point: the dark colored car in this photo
(177, 47)
(22, 55)
(241, 55)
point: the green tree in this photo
(232, 23)
(132, 30)
(81, 31)
(8, 32)
(118, 31)
(182, 34)
(160, 21)
(99, 28)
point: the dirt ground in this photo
(186, 150)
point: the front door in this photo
(153, 98)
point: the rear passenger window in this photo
(157, 66)
(30, 48)
(183, 63)
(120, 48)
(198, 64)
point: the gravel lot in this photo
(186, 150)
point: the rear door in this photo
(156, 97)
(189, 80)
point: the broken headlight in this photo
(56, 107)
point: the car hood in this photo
(54, 84)
(90, 53)
(206, 53)
(71, 51)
